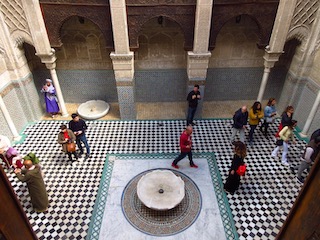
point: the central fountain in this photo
(160, 190)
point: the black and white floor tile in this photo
(259, 207)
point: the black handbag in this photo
(279, 142)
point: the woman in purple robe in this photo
(50, 98)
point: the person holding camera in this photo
(192, 99)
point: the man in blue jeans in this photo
(78, 127)
(193, 98)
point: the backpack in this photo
(241, 170)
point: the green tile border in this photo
(98, 211)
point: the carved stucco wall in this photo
(236, 45)
(303, 18)
(83, 46)
(160, 46)
(15, 19)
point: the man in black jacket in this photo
(193, 98)
(240, 119)
(78, 127)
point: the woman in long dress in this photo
(50, 98)
(233, 180)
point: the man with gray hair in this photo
(240, 119)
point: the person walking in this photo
(233, 181)
(37, 190)
(286, 134)
(78, 126)
(286, 118)
(309, 155)
(185, 147)
(50, 98)
(269, 114)
(192, 99)
(66, 136)
(240, 119)
(255, 115)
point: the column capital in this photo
(199, 56)
(48, 58)
(198, 65)
(270, 58)
(121, 56)
(123, 66)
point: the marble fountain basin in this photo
(93, 109)
(160, 190)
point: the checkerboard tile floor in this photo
(259, 207)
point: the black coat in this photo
(240, 119)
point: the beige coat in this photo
(61, 139)
(286, 134)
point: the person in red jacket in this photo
(185, 147)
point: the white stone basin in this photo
(160, 190)
(93, 109)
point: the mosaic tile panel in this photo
(232, 83)
(160, 85)
(17, 114)
(126, 102)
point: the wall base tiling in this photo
(15, 109)
(79, 86)
(5, 130)
(127, 103)
(156, 85)
(242, 83)
(37, 108)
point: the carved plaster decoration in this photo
(157, 2)
(14, 15)
(2, 51)
(300, 33)
(304, 13)
(263, 16)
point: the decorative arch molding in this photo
(263, 16)
(300, 33)
(259, 33)
(182, 15)
(139, 30)
(56, 15)
(20, 36)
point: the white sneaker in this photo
(285, 163)
(274, 156)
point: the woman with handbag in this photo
(285, 134)
(286, 118)
(67, 138)
(233, 180)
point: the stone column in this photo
(122, 60)
(8, 118)
(198, 59)
(311, 116)
(50, 61)
(270, 58)
(277, 40)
